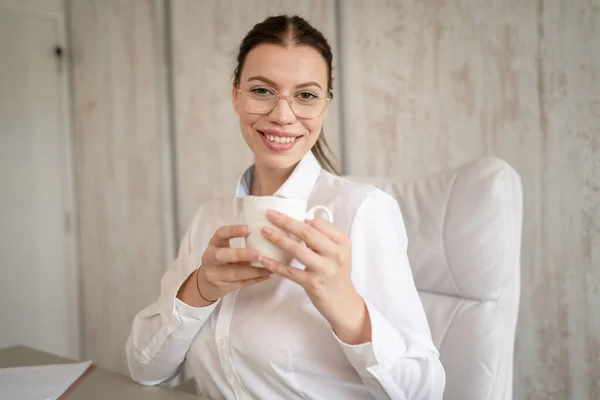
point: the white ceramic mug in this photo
(252, 211)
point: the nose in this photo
(282, 113)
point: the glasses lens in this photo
(259, 100)
(308, 108)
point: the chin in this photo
(277, 161)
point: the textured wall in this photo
(560, 327)
(118, 180)
(211, 153)
(451, 81)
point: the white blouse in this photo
(268, 341)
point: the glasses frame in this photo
(287, 99)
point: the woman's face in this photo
(279, 138)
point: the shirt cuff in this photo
(380, 354)
(180, 319)
(188, 312)
(188, 320)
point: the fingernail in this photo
(272, 213)
(267, 231)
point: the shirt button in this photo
(222, 342)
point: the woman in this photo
(346, 321)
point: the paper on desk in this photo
(39, 382)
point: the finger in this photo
(234, 273)
(313, 238)
(227, 255)
(252, 281)
(328, 229)
(225, 233)
(242, 264)
(296, 275)
(302, 253)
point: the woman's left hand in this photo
(326, 279)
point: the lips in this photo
(279, 141)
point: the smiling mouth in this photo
(279, 139)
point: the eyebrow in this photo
(270, 82)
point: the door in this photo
(38, 280)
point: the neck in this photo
(268, 180)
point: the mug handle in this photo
(311, 214)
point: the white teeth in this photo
(279, 139)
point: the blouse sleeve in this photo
(401, 361)
(163, 332)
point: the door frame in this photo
(56, 9)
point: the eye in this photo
(261, 91)
(307, 96)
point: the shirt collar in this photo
(298, 186)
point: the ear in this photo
(323, 116)
(234, 97)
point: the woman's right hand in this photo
(223, 269)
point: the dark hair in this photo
(287, 30)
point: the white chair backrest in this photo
(464, 231)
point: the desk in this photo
(100, 384)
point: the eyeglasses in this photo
(305, 104)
